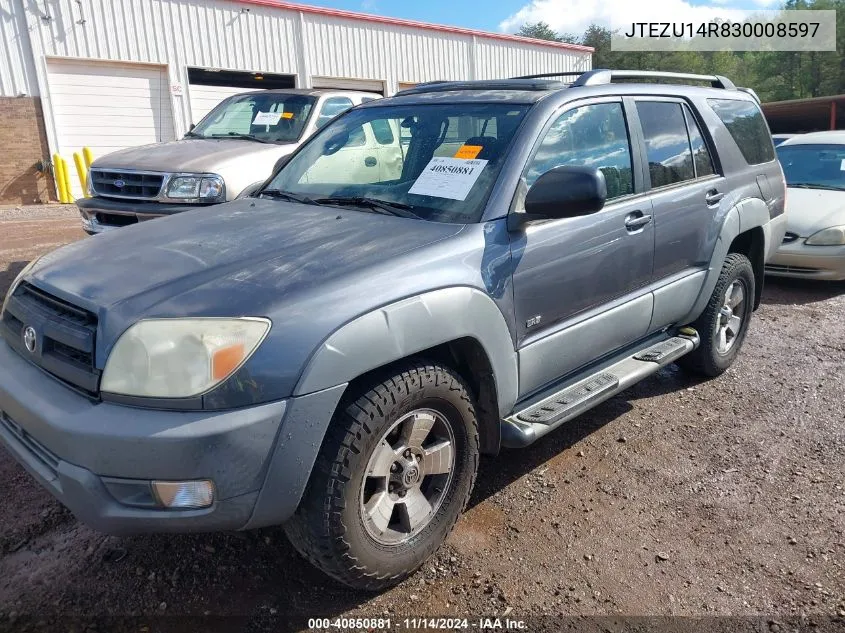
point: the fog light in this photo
(184, 494)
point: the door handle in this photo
(370, 161)
(636, 220)
(713, 197)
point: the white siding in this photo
(17, 68)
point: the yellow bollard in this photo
(89, 158)
(80, 170)
(66, 174)
(58, 176)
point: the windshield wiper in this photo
(380, 206)
(248, 137)
(293, 197)
(814, 185)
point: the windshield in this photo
(813, 166)
(264, 116)
(436, 162)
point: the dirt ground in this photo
(675, 498)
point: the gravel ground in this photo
(675, 498)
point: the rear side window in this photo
(666, 142)
(747, 127)
(700, 153)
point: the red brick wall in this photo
(23, 143)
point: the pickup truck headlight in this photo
(834, 236)
(197, 188)
(180, 358)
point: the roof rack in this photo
(567, 73)
(600, 77)
(517, 83)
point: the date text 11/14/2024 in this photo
(417, 624)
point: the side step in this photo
(539, 418)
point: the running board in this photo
(539, 418)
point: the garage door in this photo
(107, 107)
(340, 83)
(204, 98)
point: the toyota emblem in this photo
(30, 338)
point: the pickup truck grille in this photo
(126, 184)
(64, 336)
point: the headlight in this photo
(179, 358)
(15, 283)
(198, 188)
(834, 236)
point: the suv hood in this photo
(811, 210)
(244, 257)
(191, 155)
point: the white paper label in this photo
(842, 165)
(448, 178)
(267, 118)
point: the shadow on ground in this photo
(787, 291)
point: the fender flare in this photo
(411, 325)
(745, 215)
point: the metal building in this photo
(109, 74)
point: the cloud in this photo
(574, 16)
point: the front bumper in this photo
(94, 457)
(104, 214)
(797, 260)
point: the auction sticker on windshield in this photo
(267, 118)
(451, 178)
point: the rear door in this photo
(686, 195)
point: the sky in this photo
(569, 16)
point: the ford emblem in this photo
(119, 184)
(30, 338)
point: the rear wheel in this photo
(393, 474)
(724, 323)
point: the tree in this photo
(538, 31)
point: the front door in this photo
(583, 270)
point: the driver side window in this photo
(593, 136)
(331, 108)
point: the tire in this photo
(711, 358)
(336, 529)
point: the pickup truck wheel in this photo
(724, 323)
(393, 474)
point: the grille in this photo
(790, 269)
(65, 335)
(116, 219)
(126, 184)
(790, 237)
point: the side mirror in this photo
(191, 127)
(280, 163)
(564, 192)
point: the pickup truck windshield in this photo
(265, 117)
(813, 166)
(435, 162)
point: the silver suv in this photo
(335, 353)
(229, 153)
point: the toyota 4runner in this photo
(334, 353)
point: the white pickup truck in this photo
(233, 149)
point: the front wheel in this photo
(724, 323)
(394, 472)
